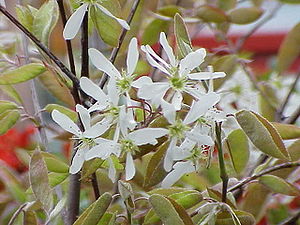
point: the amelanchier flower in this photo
(73, 24)
(87, 139)
(126, 77)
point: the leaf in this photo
(226, 4)
(238, 147)
(8, 119)
(11, 92)
(45, 20)
(167, 191)
(39, 182)
(152, 31)
(289, 49)
(262, 134)
(90, 167)
(108, 29)
(56, 178)
(59, 90)
(290, 1)
(169, 10)
(57, 209)
(279, 185)
(217, 195)
(30, 218)
(210, 13)
(22, 74)
(294, 150)
(25, 16)
(245, 15)
(54, 164)
(287, 131)
(93, 214)
(225, 218)
(155, 171)
(187, 199)
(70, 113)
(7, 105)
(108, 219)
(266, 105)
(168, 211)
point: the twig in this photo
(95, 186)
(73, 198)
(223, 173)
(15, 215)
(293, 118)
(85, 47)
(116, 50)
(292, 220)
(266, 171)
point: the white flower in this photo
(87, 138)
(73, 24)
(2, 3)
(124, 79)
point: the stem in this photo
(223, 173)
(15, 215)
(85, 47)
(68, 42)
(59, 63)
(73, 198)
(116, 50)
(266, 171)
(293, 118)
(95, 186)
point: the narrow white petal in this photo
(65, 122)
(138, 83)
(112, 171)
(77, 161)
(180, 169)
(169, 51)
(84, 115)
(74, 22)
(169, 111)
(93, 90)
(191, 61)
(156, 64)
(112, 91)
(97, 129)
(200, 107)
(103, 64)
(149, 91)
(130, 168)
(123, 23)
(199, 138)
(147, 135)
(123, 122)
(177, 100)
(132, 56)
(180, 154)
(102, 150)
(168, 160)
(206, 75)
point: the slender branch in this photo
(293, 118)
(15, 215)
(266, 171)
(68, 42)
(85, 46)
(116, 50)
(95, 186)
(59, 63)
(292, 220)
(73, 198)
(223, 173)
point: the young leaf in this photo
(56, 178)
(279, 185)
(70, 113)
(39, 181)
(287, 131)
(266, 105)
(7, 105)
(227, 4)
(262, 134)
(108, 219)
(11, 92)
(25, 16)
(210, 13)
(225, 218)
(30, 218)
(8, 119)
(93, 214)
(57, 209)
(238, 147)
(152, 31)
(22, 74)
(245, 15)
(54, 164)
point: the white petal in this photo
(93, 90)
(112, 91)
(74, 22)
(77, 161)
(97, 129)
(180, 169)
(65, 122)
(147, 135)
(149, 91)
(138, 83)
(168, 160)
(84, 115)
(123, 23)
(2, 3)
(169, 51)
(177, 100)
(180, 154)
(206, 75)
(191, 61)
(103, 64)
(199, 138)
(199, 108)
(123, 122)
(112, 171)
(102, 150)
(129, 168)
(132, 56)
(169, 111)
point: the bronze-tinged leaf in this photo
(289, 49)
(287, 131)
(245, 15)
(225, 218)
(210, 13)
(30, 218)
(262, 134)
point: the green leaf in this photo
(11, 92)
(57, 209)
(238, 147)
(30, 218)
(225, 218)
(245, 15)
(108, 219)
(169, 211)
(22, 74)
(279, 185)
(290, 1)
(93, 214)
(289, 49)
(152, 31)
(155, 171)
(8, 119)
(54, 164)
(262, 134)
(266, 105)
(7, 105)
(226, 4)
(217, 195)
(210, 13)
(39, 182)
(187, 199)
(56, 178)
(45, 20)
(167, 191)
(294, 150)
(287, 131)
(169, 10)
(25, 16)
(68, 112)
(108, 29)
(90, 167)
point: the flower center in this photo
(177, 129)
(86, 142)
(178, 83)
(113, 111)
(128, 146)
(124, 84)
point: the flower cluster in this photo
(112, 125)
